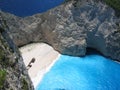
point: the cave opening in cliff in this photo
(92, 51)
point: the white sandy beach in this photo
(44, 55)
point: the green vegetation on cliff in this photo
(12, 68)
(1, 54)
(2, 78)
(114, 3)
(25, 84)
(4, 61)
(9, 67)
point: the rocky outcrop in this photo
(71, 28)
(13, 74)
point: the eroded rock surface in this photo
(71, 28)
(13, 73)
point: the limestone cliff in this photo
(13, 74)
(70, 28)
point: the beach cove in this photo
(52, 71)
(45, 56)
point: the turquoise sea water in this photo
(27, 7)
(92, 72)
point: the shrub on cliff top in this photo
(114, 3)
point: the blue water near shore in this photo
(28, 7)
(92, 72)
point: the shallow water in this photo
(28, 7)
(93, 72)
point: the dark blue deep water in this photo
(92, 72)
(27, 7)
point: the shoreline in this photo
(41, 73)
(45, 57)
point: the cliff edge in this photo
(71, 28)
(13, 74)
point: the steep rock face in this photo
(71, 28)
(13, 74)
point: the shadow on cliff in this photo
(92, 51)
